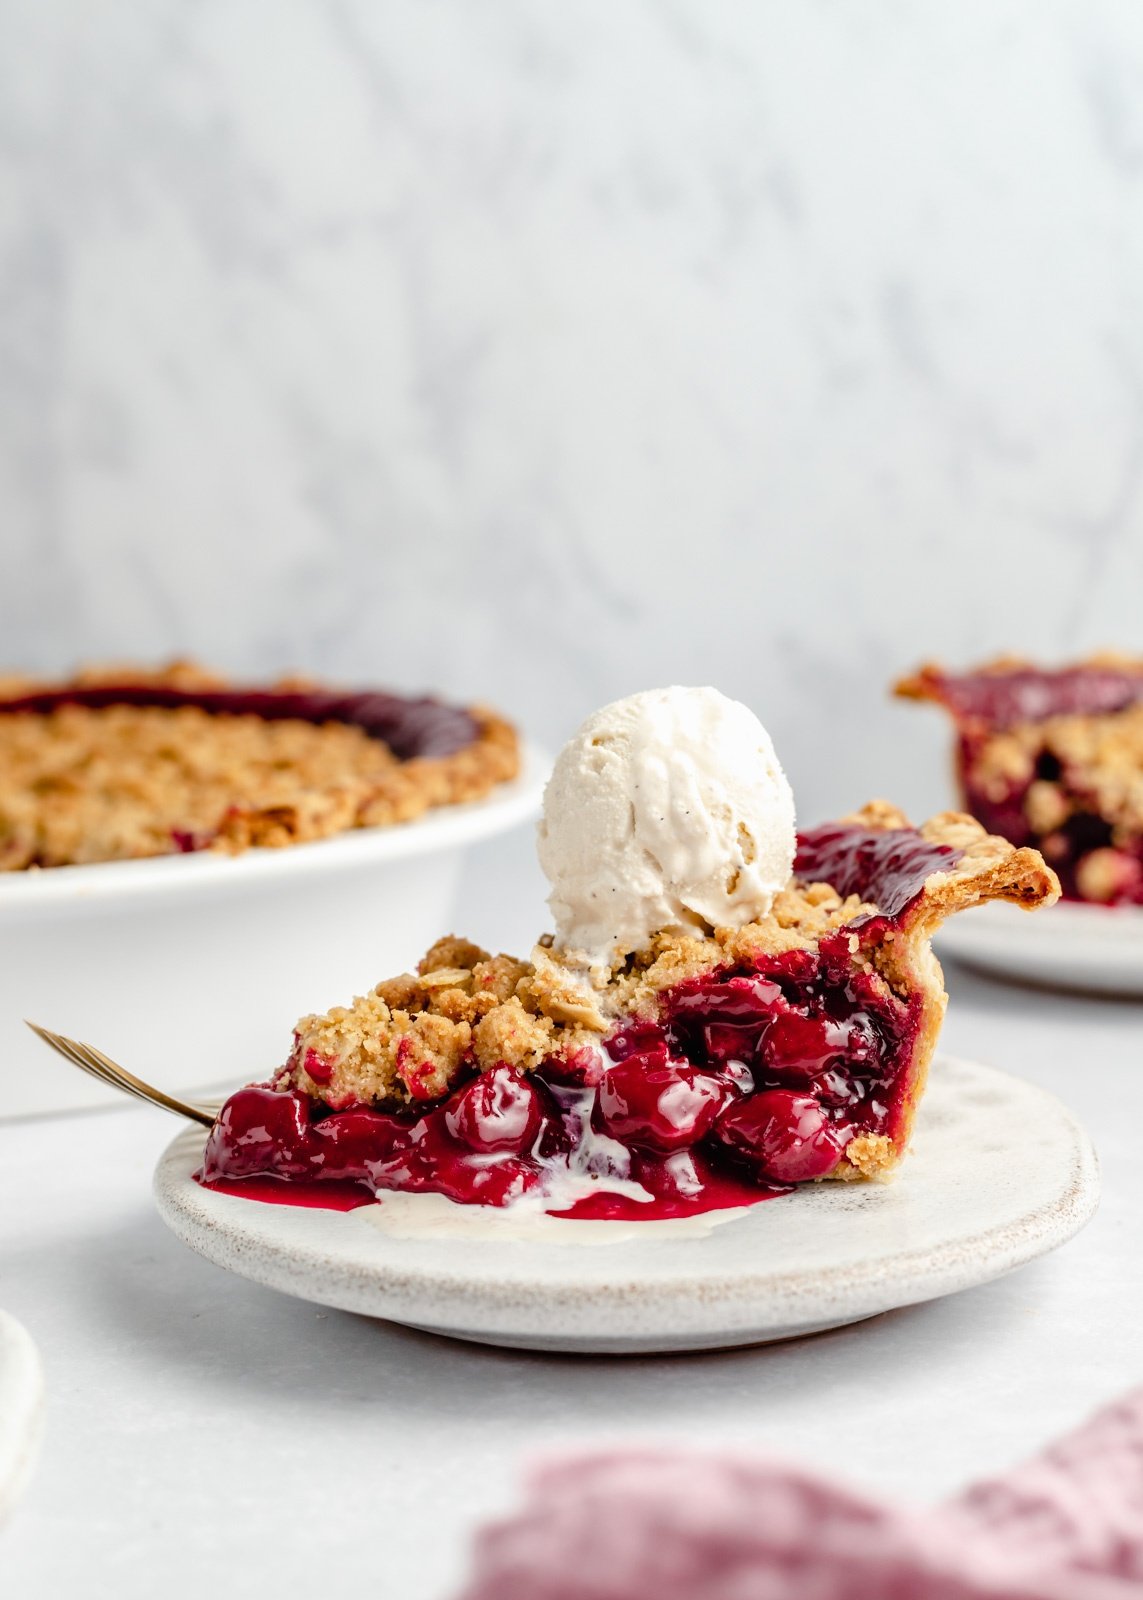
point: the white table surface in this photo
(208, 1436)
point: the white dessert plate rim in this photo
(204, 871)
(1002, 1173)
(1098, 949)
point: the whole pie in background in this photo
(1053, 758)
(122, 762)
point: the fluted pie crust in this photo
(413, 1037)
(82, 784)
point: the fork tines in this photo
(97, 1065)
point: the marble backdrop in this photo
(542, 351)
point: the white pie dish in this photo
(1097, 949)
(191, 969)
(1000, 1173)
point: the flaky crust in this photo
(989, 868)
(83, 785)
(408, 1039)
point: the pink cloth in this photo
(666, 1525)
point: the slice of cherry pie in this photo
(704, 1071)
(1053, 759)
(121, 763)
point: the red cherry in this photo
(579, 1069)
(260, 1131)
(735, 1000)
(636, 1039)
(863, 1045)
(674, 1177)
(797, 1048)
(343, 1144)
(659, 1105)
(785, 1135)
(493, 1185)
(432, 1162)
(498, 1111)
(729, 1041)
(736, 1078)
(835, 1088)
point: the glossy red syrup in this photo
(749, 1081)
(410, 727)
(887, 866)
(720, 1193)
(312, 1196)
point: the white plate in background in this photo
(1093, 949)
(1000, 1172)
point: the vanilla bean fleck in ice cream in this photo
(668, 809)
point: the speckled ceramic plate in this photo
(1097, 949)
(1000, 1172)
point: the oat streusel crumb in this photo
(1100, 764)
(82, 785)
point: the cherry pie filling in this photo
(750, 1080)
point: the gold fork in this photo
(95, 1063)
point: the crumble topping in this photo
(1101, 768)
(83, 785)
(869, 1155)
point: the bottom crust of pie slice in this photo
(706, 1071)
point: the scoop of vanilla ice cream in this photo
(667, 809)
